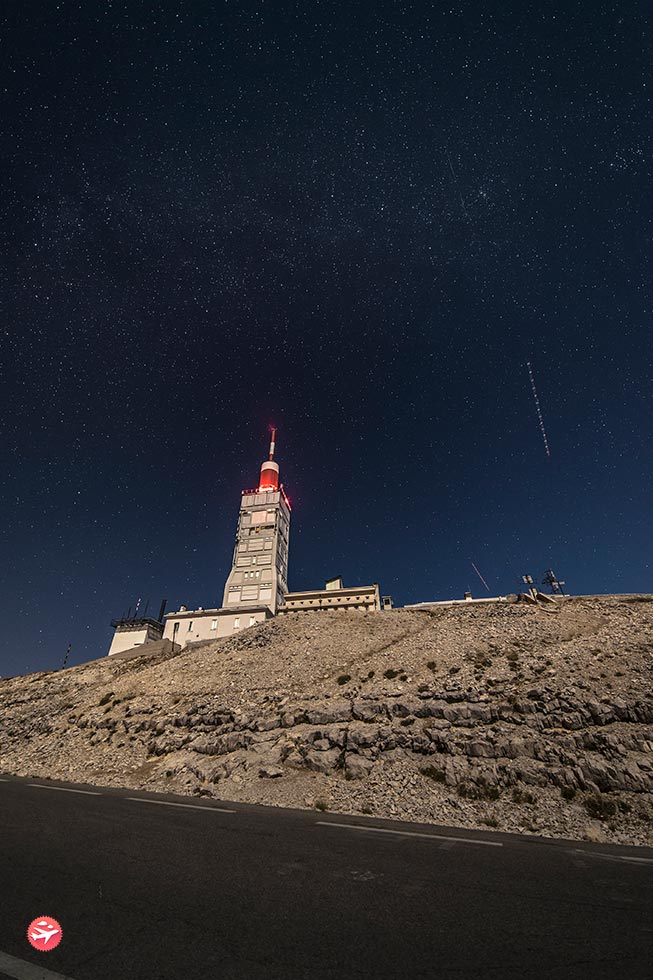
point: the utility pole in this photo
(528, 580)
(553, 582)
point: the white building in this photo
(130, 633)
(257, 586)
(257, 583)
(334, 596)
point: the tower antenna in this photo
(269, 478)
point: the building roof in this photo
(353, 590)
(136, 624)
(216, 613)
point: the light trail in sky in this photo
(538, 409)
(480, 576)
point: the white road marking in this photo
(612, 857)
(188, 806)
(409, 833)
(11, 966)
(65, 789)
(630, 860)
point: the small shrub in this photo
(437, 775)
(624, 806)
(366, 810)
(599, 807)
(490, 821)
(320, 805)
(519, 796)
(344, 678)
(403, 677)
(106, 698)
(491, 792)
(454, 670)
(567, 792)
(390, 673)
(432, 665)
(512, 655)
(471, 792)
(370, 675)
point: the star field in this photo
(358, 223)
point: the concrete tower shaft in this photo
(259, 573)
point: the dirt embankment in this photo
(536, 719)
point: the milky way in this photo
(357, 224)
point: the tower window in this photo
(252, 620)
(236, 623)
(214, 624)
(190, 625)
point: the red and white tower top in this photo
(269, 479)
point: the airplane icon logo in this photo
(44, 933)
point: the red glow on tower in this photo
(269, 479)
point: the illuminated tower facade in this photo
(259, 573)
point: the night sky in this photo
(358, 222)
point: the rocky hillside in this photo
(536, 719)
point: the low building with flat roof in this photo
(193, 625)
(135, 632)
(334, 596)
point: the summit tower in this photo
(259, 572)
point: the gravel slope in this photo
(530, 718)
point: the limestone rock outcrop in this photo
(529, 718)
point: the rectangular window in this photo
(236, 623)
(265, 593)
(190, 625)
(252, 620)
(214, 624)
(250, 592)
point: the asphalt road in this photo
(153, 886)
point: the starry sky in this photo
(358, 222)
